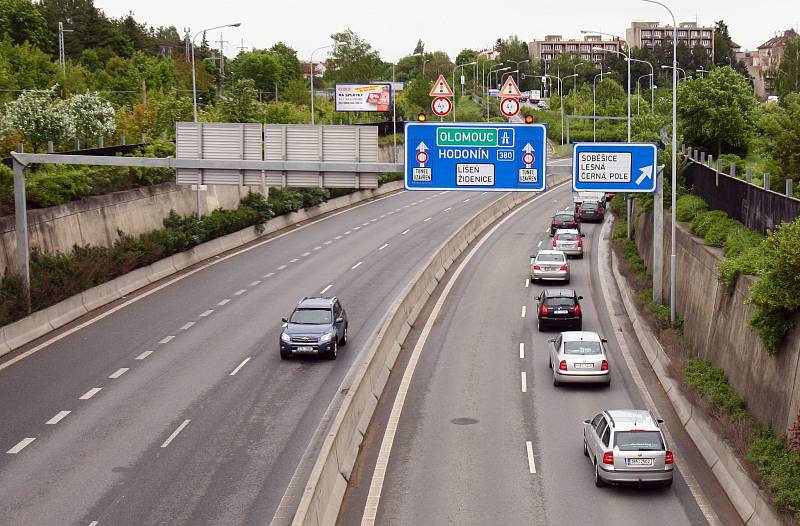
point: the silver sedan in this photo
(569, 241)
(579, 357)
(550, 265)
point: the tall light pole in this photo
(454, 83)
(194, 105)
(312, 75)
(575, 70)
(488, 84)
(516, 65)
(561, 99)
(639, 89)
(685, 76)
(673, 258)
(594, 104)
(627, 59)
(652, 79)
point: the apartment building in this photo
(653, 34)
(763, 63)
(553, 45)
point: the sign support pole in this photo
(658, 238)
(21, 226)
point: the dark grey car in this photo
(317, 326)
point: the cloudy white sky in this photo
(393, 27)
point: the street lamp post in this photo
(312, 76)
(516, 65)
(594, 104)
(575, 70)
(560, 99)
(488, 84)
(673, 258)
(639, 89)
(627, 59)
(674, 67)
(454, 83)
(194, 105)
(652, 80)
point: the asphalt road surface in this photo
(485, 438)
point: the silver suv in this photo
(626, 446)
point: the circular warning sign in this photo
(509, 107)
(528, 158)
(441, 106)
(422, 157)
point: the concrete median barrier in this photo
(322, 496)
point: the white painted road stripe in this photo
(406, 231)
(356, 265)
(90, 393)
(93, 523)
(527, 282)
(206, 313)
(383, 246)
(20, 446)
(328, 242)
(540, 244)
(233, 373)
(524, 308)
(282, 267)
(318, 247)
(305, 254)
(425, 221)
(466, 200)
(326, 289)
(119, 372)
(337, 238)
(58, 418)
(168, 339)
(144, 355)
(524, 382)
(239, 292)
(357, 228)
(348, 232)
(521, 350)
(295, 260)
(531, 461)
(175, 433)
(254, 283)
(187, 325)
(448, 208)
(223, 302)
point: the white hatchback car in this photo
(569, 241)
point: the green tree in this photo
(298, 92)
(92, 116)
(466, 55)
(788, 74)
(240, 103)
(718, 112)
(353, 59)
(39, 117)
(419, 48)
(30, 67)
(290, 65)
(512, 48)
(262, 67)
(21, 21)
(779, 135)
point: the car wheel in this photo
(285, 355)
(556, 383)
(598, 481)
(608, 384)
(333, 353)
(539, 325)
(585, 449)
(344, 336)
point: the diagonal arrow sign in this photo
(647, 173)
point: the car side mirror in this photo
(533, 256)
(340, 319)
(583, 235)
(603, 340)
(586, 421)
(660, 421)
(284, 320)
(580, 297)
(552, 340)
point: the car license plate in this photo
(305, 348)
(639, 461)
(560, 311)
(584, 366)
(550, 269)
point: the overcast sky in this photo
(393, 27)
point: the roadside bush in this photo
(284, 200)
(688, 206)
(51, 185)
(718, 232)
(703, 221)
(793, 437)
(779, 467)
(388, 177)
(742, 241)
(712, 384)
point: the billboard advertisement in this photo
(364, 97)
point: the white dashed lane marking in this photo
(239, 292)
(206, 313)
(58, 418)
(406, 231)
(282, 267)
(326, 289)
(186, 326)
(22, 444)
(175, 433)
(531, 460)
(524, 382)
(521, 350)
(238, 367)
(305, 254)
(383, 246)
(448, 208)
(428, 219)
(144, 355)
(119, 372)
(523, 310)
(223, 302)
(170, 338)
(90, 393)
(356, 265)
(295, 260)
(254, 283)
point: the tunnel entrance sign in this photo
(475, 156)
(614, 167)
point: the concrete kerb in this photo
(24, 331)
(751, 503)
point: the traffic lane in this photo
(92, 352)
(562, 411)
(459, 453)
(144, 402)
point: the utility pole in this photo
(62, 55)
(222, 58)
(242, 46)
(187, 43)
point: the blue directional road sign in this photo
(614, 167)
(475, 156)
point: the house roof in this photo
(779, 40)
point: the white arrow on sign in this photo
(422, 147)
(528, 148)
(647, 173)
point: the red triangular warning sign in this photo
(441, 88)
(510, 88)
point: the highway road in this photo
(484, 437)
(176, 408)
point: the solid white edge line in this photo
(521, 350)
(119, 372)
(356, 265)
(175, 433)
(143, 355)
(524, 382)
(90, 393)
(383, 246)
(382, 462)
(326, 289)
(244, 362)
(531, 460)
(208, 264)
(22, 444)
(56, 419)
(524, 309)
(206, 313)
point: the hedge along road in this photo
(177, 408)
(484, 437)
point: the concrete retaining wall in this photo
(715, 325)
(327, 483)
(38, 324)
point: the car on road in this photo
(543, 105)
(317, 326)
(580, 197)
(579, 357)
(564, 219)
(549, 265)
(628, 447)
(559, 308)
(569, 241)
(591, 211)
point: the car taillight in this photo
(564, 267)
(537, 267)
(543, 310)
(562, 366)
(580, 242)
(554, 241)
(608, 458)
(604, 365)
(670, 458)
(577, 310)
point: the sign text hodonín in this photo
(475, 156)
(614, 167)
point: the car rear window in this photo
(550, 257)
(559, 302)
(589, 206)
(638, 441)
(311, 316)
(567, 237)
(582, 348)
(564, 217)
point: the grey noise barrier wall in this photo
(323, 494)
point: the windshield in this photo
(565, 217)
(559, 302)
(550, 257)
(311, 316)
(567, 237)
(582, 348)
(639, 441)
